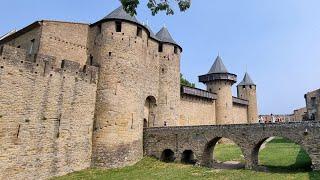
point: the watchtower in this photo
(247, 90)
(219, 81)
(138, 86)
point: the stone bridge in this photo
(196, 143)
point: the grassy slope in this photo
(284, 160)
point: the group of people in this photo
(271, 119)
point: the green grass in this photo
(284, 160)
(228, 152)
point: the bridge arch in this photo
(167, 156)
(188, 157)
(208, 158)
(258, 144)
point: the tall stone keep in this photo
(219, 81)
(138, 86)
(119, 52)
(247, 90)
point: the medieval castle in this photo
(78, 95)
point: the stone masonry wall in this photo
(46, 116)
(65, 40)
(24, 41)
(299, 114)
(239, 114)
(313, 108)
(196, 111)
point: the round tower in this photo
(169, 79)
(119, 47)
(247, 90)
(138, 86)
(219, 81)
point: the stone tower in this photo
(247, 90)
(138, 86)
(169, 82)
(219, 81)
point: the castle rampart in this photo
(45, 114)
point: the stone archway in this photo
(278, 152)
(167, 156)
(209, 160)
(188, 157)
(150, 108)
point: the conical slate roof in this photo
(246, 80)
(121, 14)
(164, 36)
(218, 66)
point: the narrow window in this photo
(110, 53)
(18, 131)
(1, 50)
(139, 31)
(58, 127)
(118, 26)
(176, 50)
(31, 46)
(99, 28)
(160, 47)
(62, 64)
(313, 101)
(91, 60)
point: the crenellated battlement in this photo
(45, 65)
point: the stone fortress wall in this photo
(59, 116)
(198, 107)
(46, 115)
(63, 40)
(313, 105)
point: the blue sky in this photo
(278, 41)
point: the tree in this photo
(155, 6)
(185, 82)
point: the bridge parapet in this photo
(249, 137)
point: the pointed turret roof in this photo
(121, 14)
(218, 71)
(218, 66)
(164, 36)
(246, 80)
